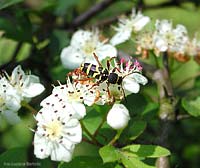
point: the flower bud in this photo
(118, 116)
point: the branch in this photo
(81, 19)
(164, 4)
(139, 6)
(167, 108)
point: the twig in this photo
(183, 116)
(139, 6)
(100, 125)
(80, 20)
(29, 107)
(167, 108)
(89, 134)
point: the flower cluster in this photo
(126, 25)
(165, 38)
(83, 45)
(58, 127)
(14, 89)
(58, 121)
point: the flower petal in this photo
(131, 85)
(80, 37)
(139, 78)
(17, 75)
(118, 116)
(80, 109)
(121, 36)
(74, 132)
(42, 148)
(33, 90)
(60, 153)
(141, 22)
(71, 58)
(106, 50)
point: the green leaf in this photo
(7, 3)
(92, 150)
(86, 162)
(136, 129)
(150, 151)
(15, 157)
(136, 108)
(109, 154)
(183, 81)
(59, 39)
(7, 48)
(192, 107)
(63, 6)
(131, 162)
(118, 166)
(19, 28)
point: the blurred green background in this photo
(33, 35)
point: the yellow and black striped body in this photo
(95, 71)
(100, 73)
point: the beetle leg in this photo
(97, 59)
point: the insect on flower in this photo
(89, 71)
(111, 74)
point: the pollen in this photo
(74, 96)
(54, 130)
(89, 47)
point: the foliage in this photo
(164, 115)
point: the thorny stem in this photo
(29, 107)
(116, 137)
(89, 134)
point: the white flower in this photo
(9, 102)
(192, 48)
(27, 86)
(83, 45)
(74, 96)
(131, 76)
(126, 25)
(118, 116)
(145, 40)
(168, 39)
(57, 133)
(132, 81)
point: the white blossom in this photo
(132, 77)
(74, 96)
(118, 116)
(126, 25)
(9, 102)
(57, 133)
(83, 45)
(145, 40)
(27, 85)
(168, 39)
(192, 48)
